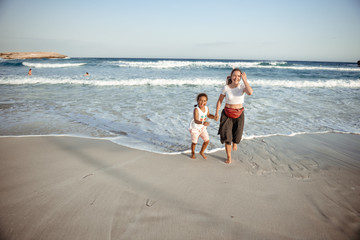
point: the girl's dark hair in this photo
(199, 96)
(229, 81)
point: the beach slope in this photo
(300, 187)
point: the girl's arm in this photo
(211, 116)
(247, 89)
(196, 116)
(218, 106)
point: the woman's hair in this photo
(199, 96)
(228, 80)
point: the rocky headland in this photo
(30, 55)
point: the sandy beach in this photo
(301, 187)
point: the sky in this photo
(307, 30)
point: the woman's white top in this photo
(202, 118)
(234, 95)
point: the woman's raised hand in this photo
(243, 76)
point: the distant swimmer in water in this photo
(30, 72)
(86, 74)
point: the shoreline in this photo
(113, 140)
(302, 187)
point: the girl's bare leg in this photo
(228, 153)
(204, 146)
(193, 145)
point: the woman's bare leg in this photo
(234, 146)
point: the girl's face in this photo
(202, 101)
(235, 77)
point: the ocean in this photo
(147, 104)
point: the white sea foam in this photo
(182, 82)
(171, 64)
(296, 134)
(132, 82)
(342, 69)
(168, 64)
(308, 84)
(275, 63)
(52, 65)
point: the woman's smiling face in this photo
(235, 77)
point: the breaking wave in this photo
(182, 82)
(170, 64)
(308, 84)
(52, 65)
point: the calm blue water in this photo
(148, 103)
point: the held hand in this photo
(216, 117)
(212, 116)
(206, 123)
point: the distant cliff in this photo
(30, 55)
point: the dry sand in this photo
(301, 187)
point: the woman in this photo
(232, 116)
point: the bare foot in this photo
(234, 146)
(203, 155)
(193, 156)
(228, 161)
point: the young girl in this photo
(198, 124)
